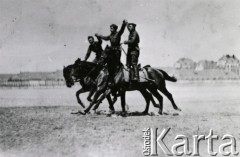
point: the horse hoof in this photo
(165, 113)
(144, 113)
(86, 111)
(89, 99)
(178, 109)
(175, 114)
(95, 112)
(82, 113)
(79, 112)
(124, 114)
(160, 113)
(111, 111)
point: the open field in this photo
(37, 122)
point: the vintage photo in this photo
(126, 78)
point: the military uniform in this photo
(96, 47)
(115, 39)
(133, 52)
(115, 49)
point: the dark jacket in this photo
(115, 38)
(95, 47)
(133, 40)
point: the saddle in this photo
(143, 75)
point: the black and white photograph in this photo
(126, 78)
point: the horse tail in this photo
(167, 77)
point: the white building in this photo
(229, 63)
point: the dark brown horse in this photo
(157, 77)
(92, 80)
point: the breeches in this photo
(132, 57)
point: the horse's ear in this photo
(64, 67)
(78, 61)
(107, 46)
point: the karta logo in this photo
(153, 141)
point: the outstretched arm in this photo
(123, 27)
(99, 39)
(102, 37)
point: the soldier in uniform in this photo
(96, 47)
(133, 50)
(115, 39)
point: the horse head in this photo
(68, 75)
(77, 71)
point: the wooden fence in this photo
(32, 83)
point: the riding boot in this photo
(135, 73)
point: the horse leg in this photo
(98, 102)
(123, 101)
(153, 101)
(82, 90)
(111, 107)
(146, 96)
(89, 98)
(97, 94)
(170, 97)
(159, 97)
(106, 95)
(103, 96)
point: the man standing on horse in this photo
(95, 46)
(115, 39)
(133, 50)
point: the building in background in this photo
(205, 65)
(229, 63)
(185, 63)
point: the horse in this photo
(90, 76)
(70, 75)
(155, 83)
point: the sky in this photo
(45, 35)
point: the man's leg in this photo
(89, 98)
(134, 62)
(117, 58)
(128, 60)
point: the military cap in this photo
(90, 37)
(133, 24)
(114, 26)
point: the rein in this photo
(123, 50)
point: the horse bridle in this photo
(75, 77)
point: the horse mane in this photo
(85, 65)
(85, 68)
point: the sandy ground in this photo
(37, 122)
